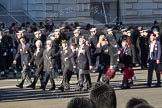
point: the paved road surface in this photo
(12, 97)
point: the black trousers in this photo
(67, 74)
(85, 81)
(153, 66)
(49, 76)
(39, 72)
(144, 58)
(25, 74)
(38, 75)
(9, 59)
(102, 70)
(76, 71)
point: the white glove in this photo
(4, 54)
(11, 50)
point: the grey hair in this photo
(38, 41)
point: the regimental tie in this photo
(122, 53)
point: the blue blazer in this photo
(156, 54)
(84, 59)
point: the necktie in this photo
(122, 52)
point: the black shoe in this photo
(52, 89)
(125, 84)
(30, 86)
(19, 86)
(158, 85)
(41, 87)
(33, 87)
(61, 88)
(4, 75)
(149, 85)
(131, 82)
(44, 88)
(125, 87)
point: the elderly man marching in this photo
(48, 60)
(24, 50)
(84, 65)
(67, 66)
(38, 54)
(154, 60)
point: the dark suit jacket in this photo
(93, 43)
(126, 57)
(65, 53)
(25, 54)
(93, 40)
(48, 59)
(8, 41)
(73, 57)
(36, 58)
(2, 58)
(74, 40)
(84, 59)
(112, 40)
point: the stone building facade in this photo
(141, 11)
(89, 11)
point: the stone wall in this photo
(64, 10)
(141, 11)
(58, 9)
(70, 10)
(12, 5)
(132, 11)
